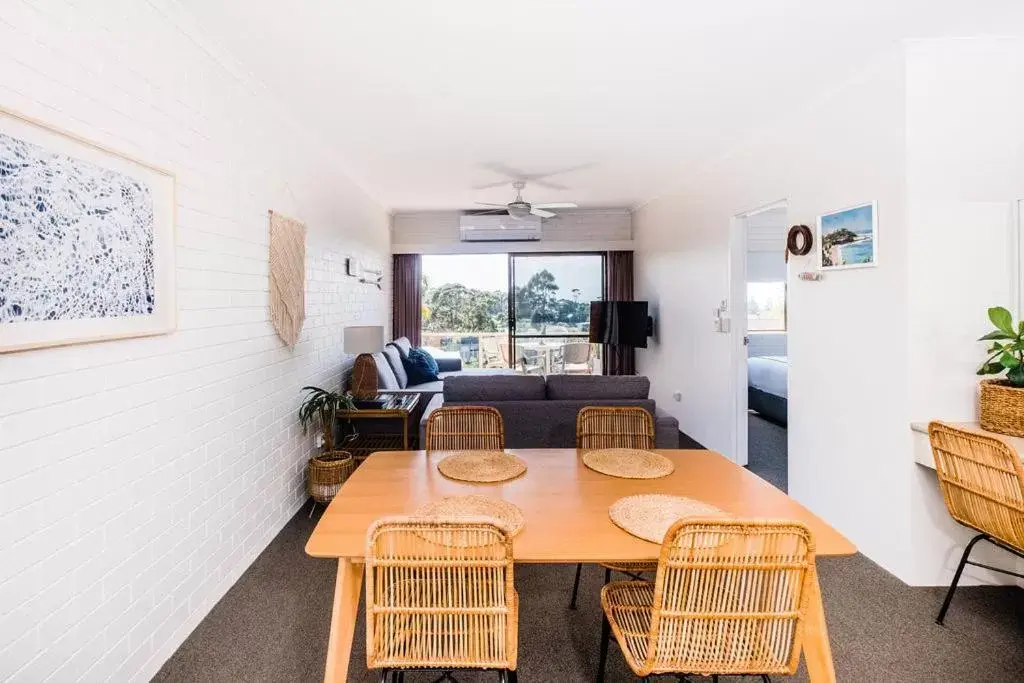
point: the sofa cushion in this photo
(394, 357)
(386, 379)
(420, 367)
(467, 389)
(586, 387)
(403, 345)
(428, 358)
(427, 388)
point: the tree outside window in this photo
(766, 306)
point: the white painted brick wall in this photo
(140, 478)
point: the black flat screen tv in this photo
(619, 322)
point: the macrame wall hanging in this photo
(287, 276)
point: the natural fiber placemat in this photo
(506, 514)
(481, 466)
(650, 515)
(628, 463)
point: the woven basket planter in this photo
(327, 472)
(1002, 408)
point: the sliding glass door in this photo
(530, 312)
(549, 312)
(465, 308)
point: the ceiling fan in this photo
(519, 208)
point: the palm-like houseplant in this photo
(328, 470)
(1002, 399)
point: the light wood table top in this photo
(565, 504)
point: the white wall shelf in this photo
(922, 449)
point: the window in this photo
(551, 295)
(527, 311)
(766, 306)
(465, 307)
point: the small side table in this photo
(380, 429)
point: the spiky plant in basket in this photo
(321, 407)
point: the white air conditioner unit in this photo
(499, 228)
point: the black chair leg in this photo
(956, 578)
(513, 677)
(765, 678)
(384, 674)
(607, 575)
(576, 586)
(606, 635)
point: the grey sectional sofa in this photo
(541, 412)
(391, 374)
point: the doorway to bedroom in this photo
(760, 332)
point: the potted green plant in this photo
(1002, 399)
(329, 469)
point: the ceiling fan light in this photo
(517, 210)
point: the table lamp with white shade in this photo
(364, 340)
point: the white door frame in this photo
(1017, 264)
(738, 313)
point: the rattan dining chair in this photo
(730, 597)
(614, 427)
(465, 428)
(440, 597)
(982, 482)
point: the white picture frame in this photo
(859, 248)
(125, 219)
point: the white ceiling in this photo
(418, 96)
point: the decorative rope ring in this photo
(799, 241)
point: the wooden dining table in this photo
(565, 507)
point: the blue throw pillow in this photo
(430, 360)
(420, 366)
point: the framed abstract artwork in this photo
(86, 241)
(848, 238)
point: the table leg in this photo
(347, 588)
(817, 650)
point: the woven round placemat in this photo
(650, 515)
(481, 466)
(628, 463)
(506, 514)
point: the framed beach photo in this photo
(848, 238)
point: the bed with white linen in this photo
(768, 386)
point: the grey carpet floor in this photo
(767, 451)
(273, 625)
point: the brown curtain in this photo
(618, 278)
(407, 297)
